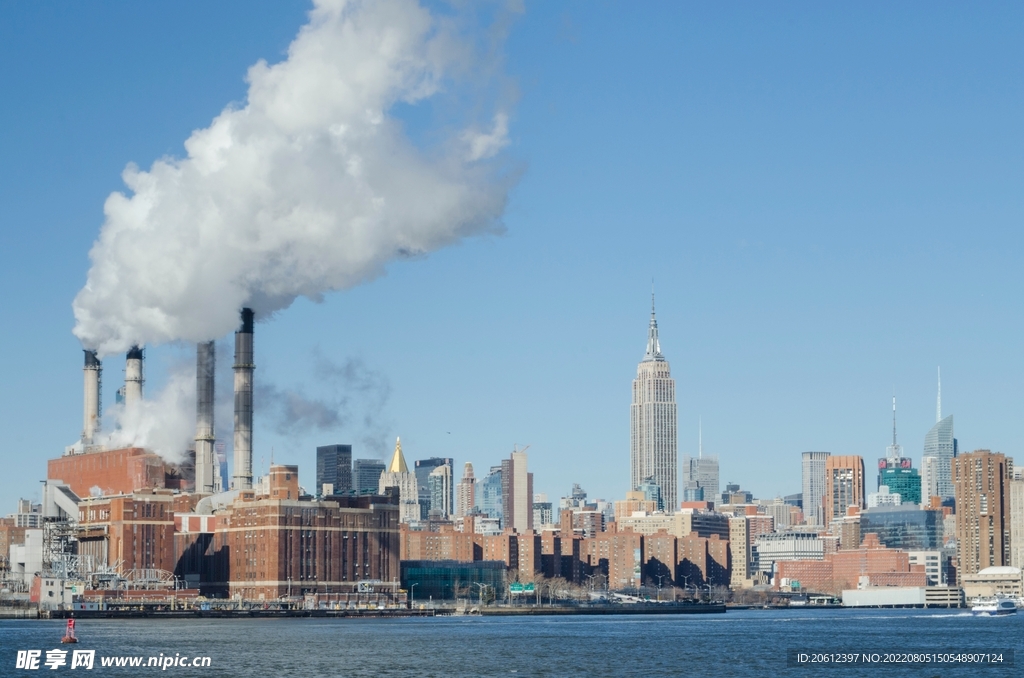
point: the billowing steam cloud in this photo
(309, 187)
(165, 424)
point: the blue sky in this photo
(827, 198)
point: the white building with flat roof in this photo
(771, 548)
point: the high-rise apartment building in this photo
(813, 467)
(440, 484)
(424, 467)
(366, 475)
(740, 550)
(653, 451)
(844, 485)
(1017, 520)
(981, 482)
(940, 443)
(334, 468)
(516, 493)
(465, 493)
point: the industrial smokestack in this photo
(242, 476)
(133, 378)
(205, 368)
(93, 372)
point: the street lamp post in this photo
(660, 577)
(412, 595)
(481, 591)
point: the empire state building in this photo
(652, 422)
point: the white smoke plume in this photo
(310, 186)
(165, 423)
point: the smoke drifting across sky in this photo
(310, 186)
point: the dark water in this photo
(740, 643)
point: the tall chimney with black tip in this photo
(133, 378)
(242, 475)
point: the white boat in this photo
(994, 606)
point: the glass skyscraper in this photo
(904, 527)
(940, 444)
(902, 480)
(488, 494)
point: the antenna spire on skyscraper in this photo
(653, 345)
(894, 420)
(894, 451)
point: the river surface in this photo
(738, 643)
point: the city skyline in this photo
(773, 214)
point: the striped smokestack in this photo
(205, 368)
(242, 476)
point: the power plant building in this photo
(281, 547)
(131, 516)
